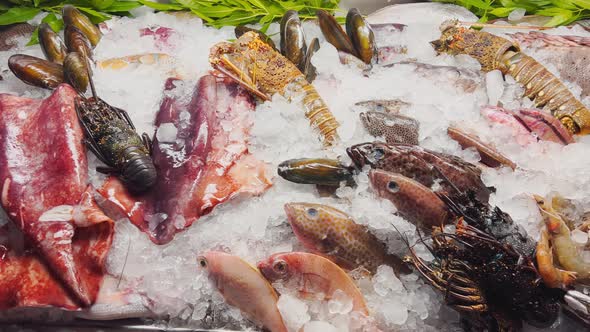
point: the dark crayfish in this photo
(111, 136)
(494, 52)
(490, 220)
(488, 282)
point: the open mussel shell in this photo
(362, 36)
(324, 172)
(309, 70)
(239, 31)
(35, 71)
(334, 33)
(77, 71)
(76, 41)
(74, 17)
(51, 45)
(293, 45)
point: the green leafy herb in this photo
(217, 13)
(18, 14)
(561, 12)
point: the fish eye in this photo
(393, 187)
(378, 153)
(312, 212)
(202, 261)
(280, 266)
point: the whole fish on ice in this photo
(422, 165)
(311, 275)
(244, 287)
(334, 234)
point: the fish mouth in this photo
(358, 159)
(289, 211)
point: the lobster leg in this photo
(107, 170)
(125, 116)
(147, 141)
(92, 147)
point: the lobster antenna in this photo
(90, 80)
(125, 262)
(503, 26)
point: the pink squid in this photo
(201, 154)
(53, 252)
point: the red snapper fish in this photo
(54, 249)
(201, 153)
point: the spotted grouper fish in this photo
(332, 233)
(425, 166)
(395, 128)
(415, 202)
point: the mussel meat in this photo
(51, 45)
(77, 71)
(74, 17)
(35, 71)
(76, 41)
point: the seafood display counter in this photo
(397, 171)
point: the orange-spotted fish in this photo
(332, 233)
(244, 287)
(312, 275)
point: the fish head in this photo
(544, 125)
(389, 185)
(373, 154)
(276, 267)
(373, 121)
(311, 224)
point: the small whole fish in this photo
(395, 128)
(332, 233)
(489, 156)
(422, 165)
(529, 125)
(242, 286)
(312, 275)
(415, 202)
(384, 106)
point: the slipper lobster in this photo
(494, 52)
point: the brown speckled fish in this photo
(416, 203)
(332, 233)
(422, 165)
(489, 156)
(395, 128)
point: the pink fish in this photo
(201, 153)
(529, 125)
(244, 287)
(43, 174)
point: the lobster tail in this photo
(138, 172)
